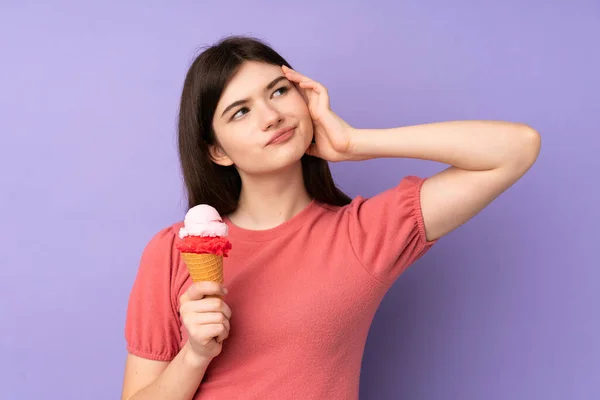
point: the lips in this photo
(281, 136)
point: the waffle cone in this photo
(204, 267)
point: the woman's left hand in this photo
(332, 134)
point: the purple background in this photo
(506, 307)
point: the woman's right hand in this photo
(206, 318)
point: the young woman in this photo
(309, 266)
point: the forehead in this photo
(252, 77)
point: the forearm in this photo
(179, 381)
(469, 145)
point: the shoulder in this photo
(160, 248)
(164, 236)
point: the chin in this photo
(286, 157)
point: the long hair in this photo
(205, 181)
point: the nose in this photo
(271, 117)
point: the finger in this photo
(303, 82)
(206, 305)
(294, 75)
(197, 324)
(225, 334)
(317, 88)
(198, 290)
(209, 318)
(302, 79)
(205, 333)
(222, 336)
(288, 70)
(218, 331)
(310, 85)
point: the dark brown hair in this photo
(210, 183)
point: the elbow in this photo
(529, 145)
(533, 144)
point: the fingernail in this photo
(225, 290)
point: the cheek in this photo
(232, 146)
(237, 142)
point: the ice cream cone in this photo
(204, 267)
(203, 243)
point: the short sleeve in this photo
(387, 231)
(152, 327)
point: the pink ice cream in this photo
(203, 220)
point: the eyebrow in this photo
(243, 101)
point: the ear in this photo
(218, 156)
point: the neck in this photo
(268, 201)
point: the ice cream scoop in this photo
(203, 220)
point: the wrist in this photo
(358, 147)
(193, 359)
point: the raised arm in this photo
(486, 158)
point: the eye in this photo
(239, 113)
(282, 90)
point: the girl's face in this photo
(262, 122)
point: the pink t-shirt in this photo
(303, 296)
